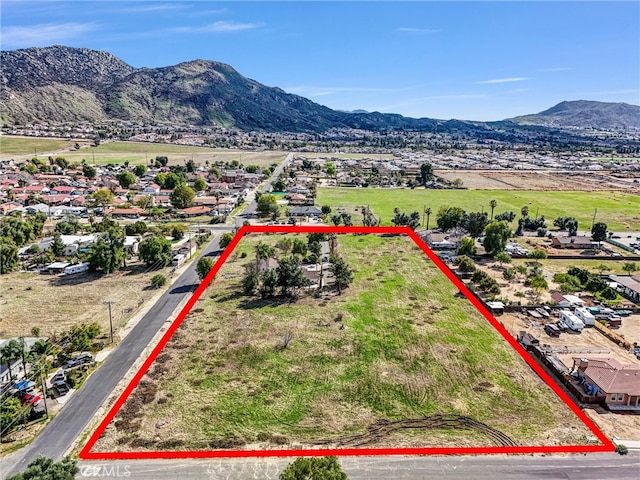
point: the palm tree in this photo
(524, 211)
(11, 351)
(264, 252)
(428, 212)
(493, 205)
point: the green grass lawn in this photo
(620, 211)
(141, 152)
(409, 348)
(30, 146)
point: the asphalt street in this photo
(62, 431)
(491, 467)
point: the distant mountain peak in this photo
(585, 114)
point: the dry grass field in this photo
(394, 361)
(54, 303)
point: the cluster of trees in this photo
(15, 232)
(401, 219)
(579, 279)
(260, 279)
(567, 223)
(343, 218)
(44, 468)
(480, 278)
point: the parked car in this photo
(36, 412)
(562, 326)
(60, 375)
(552, 330)
(61, 387)
(82, 359)
(31, 399)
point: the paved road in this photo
(251, 208)
(519, 467)
(62, 431)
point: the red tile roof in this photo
(611, 376)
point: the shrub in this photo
(158, 280)
(622, 449)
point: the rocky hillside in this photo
(77, 84)
(585, 114)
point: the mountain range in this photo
(64, 84)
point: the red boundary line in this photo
(87, 454)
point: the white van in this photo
(571, 321)
(585, 315)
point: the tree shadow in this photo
(251, 303)
(184, 289)
(74, 279)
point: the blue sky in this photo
(467, 60)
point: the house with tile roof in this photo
(618, 383)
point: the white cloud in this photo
(45, 34)
(218, 27)
(157, 8)
(417, 30)
(502, 80)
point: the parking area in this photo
(569, 344)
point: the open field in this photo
(54, 303)
(33, 145)
(539, 180)
(620, 211)
(397, 346)
(140, 152)
(133, 152)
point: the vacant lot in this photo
(141, 152)
(392, 362)
(621, 211)
(54, 303)
(33, 146)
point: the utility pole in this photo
(593, 222)
(110, 302)
(44, 390)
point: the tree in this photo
(538, 283)
(101, 198)
(280, 185)
(155, 251)
(44, 468)
(609, 294)
(506, 216)
(161, 161)
(314, 468)
(538, 254)
(331, 169)
(290, 276)
(502, 257)
(89, 171)
(427, 211)
(172, 180)
(158, 280)
(285, 245)
(139, 170)
(9, 259)
(599, 232)
(467, 246)
(342, 273)
(10, 351)
(426, 173)
(299, 247)
(107, 253)
(266, 203)
(269, 282)
(336, 219)
(126, 179)
(264, 252)
(251, 279)
(524, 211)
(630, 267)
(11, 415)
(57, 246)
(474, 223)
(225, 239)
(449, 217)
(199, 185)
(136, 228)
(205, 264)
(465, 264)
(493, 204)
(496, 235)
(182, 196)
(326, 209)
(567, 223)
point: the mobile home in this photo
(583, 314)
(571, 321)
(79, 268)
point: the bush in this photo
(158, 280)
(622, 449)
(314, 468)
